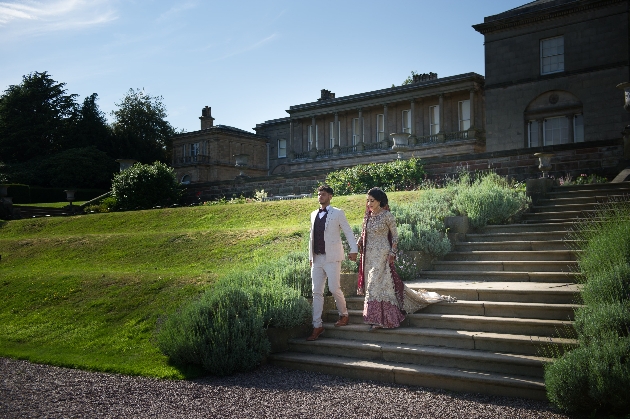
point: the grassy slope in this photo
(87, 291)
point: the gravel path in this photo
(40, 391)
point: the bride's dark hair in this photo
(379, 195)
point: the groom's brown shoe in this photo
(343, 321)
(316, 332)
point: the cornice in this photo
(534, 16)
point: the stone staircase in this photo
(516, 291)
(35, 212)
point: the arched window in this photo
(554, 117)
(186, 179)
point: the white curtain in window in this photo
(556, 130)
(464, 114)
(434, 119)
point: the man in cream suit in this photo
(325, 254)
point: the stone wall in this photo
(604, 158)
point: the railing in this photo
(455, 136)
(203, 159)
(381, 145)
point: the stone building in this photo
(441, 116)
(551, 71)
(552, 67)
(218, 152)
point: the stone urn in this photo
(626, 89)
(544, 162)
(401, 140)
(126, 163)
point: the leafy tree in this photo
(90, 128)
(141, 129)
(409, 79)
(85, 167)
(34, 118)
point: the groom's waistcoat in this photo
(319, 245)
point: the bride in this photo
(387, 298)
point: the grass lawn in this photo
(87, 291)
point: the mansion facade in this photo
(552, 67)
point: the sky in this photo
(248, 60)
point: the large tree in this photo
(140, 128)
(90, 129)
(34, 118)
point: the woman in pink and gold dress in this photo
(387, 298)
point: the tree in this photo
(34, 118)
(409, 79)
(90, 129)
(140, 128)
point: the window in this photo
(309, 145)
(578, 128)
(406, 121)
(532, 134)
(552, 55)
(194, 149)
(282, 148)
(556, 130)
(380, 127)
(464, 114)
(434, 119)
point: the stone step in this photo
(554, 206)
(510, 236)
(526, 365)
(565, 226)
(594, 186)
(498, 276)
(558, 215)
(511, 266)
(520, 245)
(504, 325)
(35, 212)
(456, 379)
(544, 311)
(449, 338)
(523, 292)
(581, 200)
(511, 255)
(587, 193)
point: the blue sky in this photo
(248, 60)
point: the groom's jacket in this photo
(335, 223)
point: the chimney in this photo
(207, 121)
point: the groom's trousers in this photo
(319, 272)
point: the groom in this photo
(325, 254)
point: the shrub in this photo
(392, 176)
(420, 238)
(597, 320)
(85, 167)
(107, 204)
(608, 286)
(590, 378)
(222, 333)
(146, 186)
(488, 199)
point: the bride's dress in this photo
(387, 298)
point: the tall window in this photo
(552, 55)
(434, 119)
(282, 148)
(194, 149)
(556, 130)
(309, 145)
(532, 134)
(406, 121)
(380, 127)
(578, 128)
(463, 108)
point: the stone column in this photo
(290, 151)
(314, 133)
(440, 135)
(412, 122)
(337, 130)
(385, 133)
(570, 126)
(360, 142)
(472, 107)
